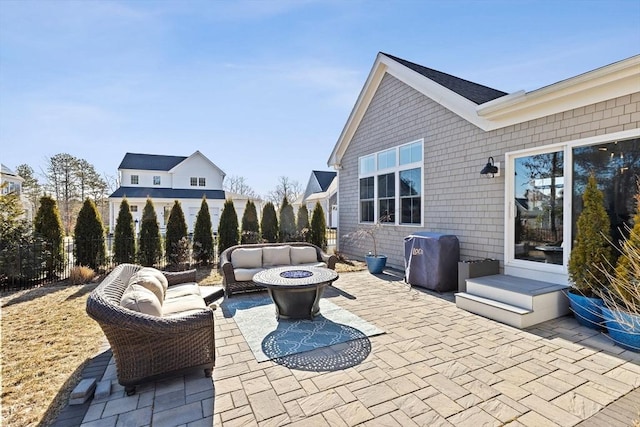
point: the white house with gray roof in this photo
(166, 179)
(322, 188)
(412, 149)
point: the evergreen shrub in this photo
(269, 224)
(89, 247)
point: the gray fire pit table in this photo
(296, 291)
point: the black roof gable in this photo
(324, 178)
(474, 92)
(150, 162)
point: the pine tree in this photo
(150, 243)
(89, 245)
(303, 218)
(48, 227)
(287, 222)
(202, 235)
(124, 244)
(269, 225)
(591, 257)
(228, 234)
(250, 226)
(176, 234)
(318, 234)
(302, 223)
(20, 257)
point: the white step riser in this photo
(551, 305)
(501, 295)
(498, 314)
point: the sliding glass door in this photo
(545, 197)
(538, 198)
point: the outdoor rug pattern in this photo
(269, 338)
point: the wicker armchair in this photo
(148, 347)
(232, 284)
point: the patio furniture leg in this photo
(130, 390)
(208, 372)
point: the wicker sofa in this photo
(150, 346)
(241, 262)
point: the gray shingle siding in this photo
(457, 200)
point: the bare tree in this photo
(291, 189)
(62, 182)
(238, 185)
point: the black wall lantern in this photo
(489, 168)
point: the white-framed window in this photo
(193, 181)
(202, 182)
(156, 180)
(390, 182)
(133, 208)
(135, 179)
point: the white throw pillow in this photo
(246, 258)
(150, 282)
(276, 255)
(142, 300)
(158, 275)
(304, 255)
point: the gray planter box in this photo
(476, 268)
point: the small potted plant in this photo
(590, 259)
(375, 262)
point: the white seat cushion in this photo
(142, 300)
(157, 274)
(303, 255)
(276, 255)
(183, 303)
(245, 274)
(183, 289)
(246, 258)
(149, 281)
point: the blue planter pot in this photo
(586, 310)
(623, 328)
(375, 264)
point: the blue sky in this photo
(262, 88)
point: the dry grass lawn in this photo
(46, 339)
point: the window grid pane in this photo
(134, 179)
(156, 180)
(194, 181)
(410, 182)
(202, 182)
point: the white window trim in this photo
(550, 272)
(396, 171)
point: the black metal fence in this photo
(32, 265)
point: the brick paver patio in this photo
(436, 365)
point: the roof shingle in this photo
(474, 92)
(152, 162)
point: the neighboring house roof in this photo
(474, 92)
(153, 162)
(485, 107)
(6, 171)
(167, 193)
(324, 178)
(319, 182)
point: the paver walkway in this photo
(436, 365)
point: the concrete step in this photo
(511, 290)
(494, 310)
(516, 301)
